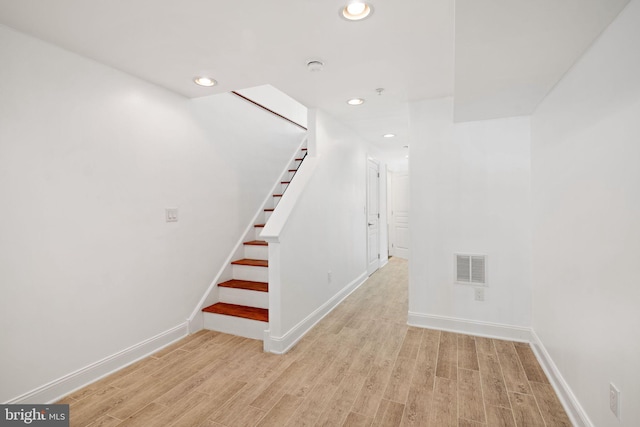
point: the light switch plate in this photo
(171, 214)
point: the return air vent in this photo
(471, 269)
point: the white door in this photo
(399, 230)
(373, 216)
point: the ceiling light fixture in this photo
(356, 11)
(205, 81)
(355, 101)
(389, 135)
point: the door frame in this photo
(372, 161)
(392, 213)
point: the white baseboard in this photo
(571, 405)
(470, 327)
(280, 345)
(57, 389)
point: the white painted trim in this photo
(574, 410)
(376, 162)
(57, 389)
(280, 345)
(196, 320)
(384, 261)
(470, 327)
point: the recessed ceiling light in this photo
(355, 101)
(205, 81)
(356, 11)
(389, 135)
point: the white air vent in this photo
(471, 269)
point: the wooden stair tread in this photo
(277, 195)
(256, 243)
(269, 210)
(303, 149)
(300, 159)
(252, 262)
(253, 313)
(285, 182)
(245, 284)
(259, 225)
(293, 170)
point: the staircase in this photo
(243, 307)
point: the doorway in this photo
(373, 216)
(399, 214)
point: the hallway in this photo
(360, 366)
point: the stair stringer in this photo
(211, 296)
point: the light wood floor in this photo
(360, 366)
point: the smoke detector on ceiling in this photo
(315, 65)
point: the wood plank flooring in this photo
(361, 366)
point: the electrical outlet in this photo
(614, 400)
(171, 214)
(479, 294)
(329, 276)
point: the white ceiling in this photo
(510, 53)
(507, 53)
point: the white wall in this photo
(586, 223)
(89, 159)
(470, 193)
(277, 101)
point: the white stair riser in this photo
(235, 325)
(256, 252)
(258, 230)
(249, 272)
(244, 297)
(276, 200)
(267, 215)
(283, 188)
(290, 176)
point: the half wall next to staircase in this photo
(319, 254)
